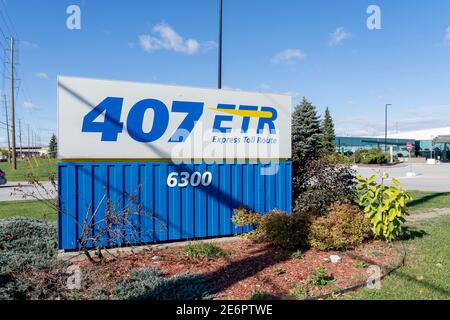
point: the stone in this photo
(335, 258)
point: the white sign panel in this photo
(101, 119)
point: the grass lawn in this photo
(429, 200)
(40, 168)
(31, 209)
(426, 272)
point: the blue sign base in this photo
(163, 201)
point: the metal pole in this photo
(20, 139)
(219, 84)
(13, 114)
(28, 141)
(385, 126)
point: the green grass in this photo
(426, 272)
(204, 250)
(31, 209)
(40, 168)
(429, 200)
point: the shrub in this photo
(339, 158)
(244, 217)
(344, 227)
(288, 231)
(373, 156)
(322, 183)
(297, 255)
(259, 295)
(207, 251)
(279, 271)
(27, 244)
(28, 265)
(386, 207)
(320, 278)
(361, 264)
(150, 284)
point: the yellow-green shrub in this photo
(345, 226)
(386, 207)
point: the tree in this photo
(328, 137)
(306, 133)
(3, 153)
(53, 147)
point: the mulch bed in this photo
(250, 267)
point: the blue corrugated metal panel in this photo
(172, 213)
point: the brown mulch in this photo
(250, 267)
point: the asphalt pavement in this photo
(9, 191)
(424, 177)
(435, 178)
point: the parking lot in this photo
(435, 178)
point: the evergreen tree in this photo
(53, 147)
(306, 132)
(328, 137)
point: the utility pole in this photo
(219, 85)
(7, 129)
(13, 114)
(20, 138)
(28, 141)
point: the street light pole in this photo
(386, 125)
(219, 82)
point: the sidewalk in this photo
(7, 192)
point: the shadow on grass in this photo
(411, 233)
(422, 283)
(427, 198)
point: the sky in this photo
(321, 50)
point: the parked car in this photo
(2, 177)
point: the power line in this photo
(9, 20)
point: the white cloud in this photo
(164, 37)
(41, 75)
(264, 87)
(338, 36)
(294, 94)
(29, 105)
(447, 36)
(28, 44)
(226, 87)
(288, 56)
(414, 119)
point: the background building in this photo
(429, 143)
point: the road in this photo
(9, 191)
(435, 178)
